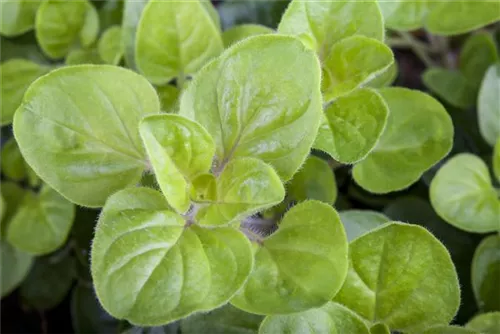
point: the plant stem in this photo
(420, 52)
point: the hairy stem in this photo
(420, 52)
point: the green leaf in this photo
(87, 315)
(330, 318)
(110, 46)
(169, 98)
(12, 162)
(150, 268)
(452, 86)
(315, 180)
(16, 75)
(61, 24)
(132, 12)
(360, 222)
(404, 15)
(486, 323)
(418, 134)
(486, 274)
(84, 141)
(488, 106)
(83, 56)
(225, 320)
(460, 16)
(448, 329)
(42, 222)
(386, 78)
(249, 115)
(204, 188)
(478, 53)
(380, 328)
(240, 32)
(48, 282)
(15, 266)
(189, 38)
(178, 150)
(13, 196)
(310, 239)
(245, 187)
(111, 13)
(496, 160)
(401, 275)
(356, 123)
(17, 16)
(462, 194)
(320, 24)
(353, 62)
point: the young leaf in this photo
(478, 53)
(330, 318)
(15, 266)
(320, 24)
(419, 133)
(249, 115)
(110, 46)
(486, 274)
(360, 222)
(17, 17)
(452, 86)
(310, 239)
(60, 24)
(462, 194)
(84, 141)
(169, 98)
(460, 16)
(16, 75)
(42, 222)
(132, 11)
(401, 275)
(150, 268)
(48, 282)
(353, 62)
(496, 160)
(488, 106)
(486, 323)
(83, 56)
(315, 180)
(240, 32)
(356, 122)
(404, 15)
(245, 186)
(188, 39)
(178, 150)
(225, 320)
(204, 188)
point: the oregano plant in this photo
(251, 166)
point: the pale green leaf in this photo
(488, 107)
(478, 53)
(401, 275)
(240, 32)
(320, 24)
(356, 123)
(188, 39)
(178, 150)
(359, 222)
(60, 24)
(331, 318)
(404, 15)
(16, 75)
(245, 187)
(462, 194)
(17, 16)
(386, 78)
(310, 239)
(496, 160)
(41, 223)
(110, 46)
(314, 180)
(249, 115)
(204, 188)
(486, 323)
(212, 12)
(84, 140)
(418, 134)
(83, 56)
(225, 320)
(485, 271)
(14, 266)
(132, 11)
(48, 282)
(169, 98)
(450, 85)
(453, 17)
(353, 62)
(150, 268)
